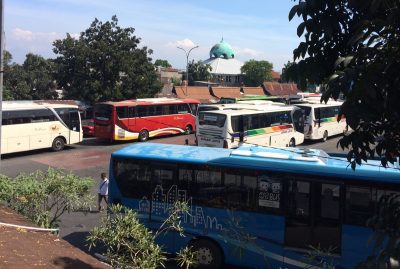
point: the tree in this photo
(44, 197)
(105, 63)
(162, 63)
(256, 72)
(351, 47)
(285, 76)
(31, 80)
(198, 72)
(129, 244)
(39, 75)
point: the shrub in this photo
(129, 244)
(44, 196)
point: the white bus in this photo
(321, 119)
(28, 125)
(270, 126)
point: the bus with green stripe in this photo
(322, 119)
(250, 97)
(274, 126)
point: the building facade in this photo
(225, 68)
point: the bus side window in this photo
(132, 179)
(360, 204)
(233, 191)
(186, 180)
(183, 109)
(209, 188)
(269, 194)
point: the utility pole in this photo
(1, 68)
(187, 63)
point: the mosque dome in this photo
(222, 50)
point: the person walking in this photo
(103, 190)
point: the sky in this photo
(256, 29)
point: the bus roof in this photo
(249, 110)
(20, 105)
(151, 101)
(248, 97)
(319, 104)
(293, 160)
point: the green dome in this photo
(222, 49)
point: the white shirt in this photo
(103, 187)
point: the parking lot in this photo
(89, 159)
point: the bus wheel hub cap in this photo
(204, 256)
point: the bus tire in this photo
(208, 254)
(292, 142)
(188, 129)
(58, 144)
(325, 136)
(143, 135)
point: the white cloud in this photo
(26, 35)
(20, 34)
(185, 43)
(75, 36)
(247, 52)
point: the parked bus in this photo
(144, 118)
(254, 206)
(321, 119)
(279, 126)
(250, 97)
(28, 125)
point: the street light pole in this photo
(187, 63)
(1, 65)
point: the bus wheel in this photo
(188, 129)
(325, 136)
(292, 142)
(208, 254)
(143, 135)
(58, 144)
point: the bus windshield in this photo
(103, 112)
(212, 119)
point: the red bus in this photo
(144, 118)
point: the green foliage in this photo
(176, 81)
(162, 63)
(351, 47)
(44, 196)
(285, 77)
(129, 244)
(386, 226)
(105, 63)
(256, 72)
(199, 72)
(31, 80)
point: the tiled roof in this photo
(276, 75)
(253, 90)
(200, 93)
(280, 89)
(226, 91)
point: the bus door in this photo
(75, 134)
(298, 120)
(313, 217)
(132, 117)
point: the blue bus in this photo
(254, 206)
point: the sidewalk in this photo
(23, 249)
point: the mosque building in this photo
(225, 68)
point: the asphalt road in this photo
(89, 159)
